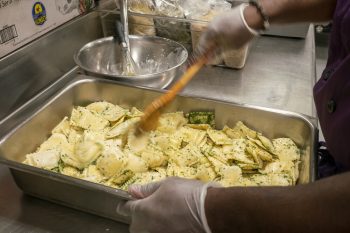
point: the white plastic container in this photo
(233, 59)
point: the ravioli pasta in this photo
(97, 143)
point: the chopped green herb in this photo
(207, 117)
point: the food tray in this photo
(19, 137)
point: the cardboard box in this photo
(22, 21)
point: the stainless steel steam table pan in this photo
(19, 137)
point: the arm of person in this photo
(290, 11)
(323, 206)
(233, 29)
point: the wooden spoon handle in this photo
(152, 112)
(165, 99)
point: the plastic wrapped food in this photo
(172, 29)
(195, 8)
(177, 31)
(169, 8)
(144, 25)
(141, 25)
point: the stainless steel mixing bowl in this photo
(160, 60)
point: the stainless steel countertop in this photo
(280, 73)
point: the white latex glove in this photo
(174, 205)
(226, 32)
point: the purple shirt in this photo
(332, 91)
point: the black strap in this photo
(261, 11)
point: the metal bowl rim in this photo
(142, 76)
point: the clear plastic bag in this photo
(140, 25)
(170, 8)
(142, 6)
(172, 29)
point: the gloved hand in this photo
(172, 205)
(226, 32)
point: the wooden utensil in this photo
(151, 115)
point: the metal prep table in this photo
(279, 73)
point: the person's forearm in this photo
(291, 11)
(323, 206)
